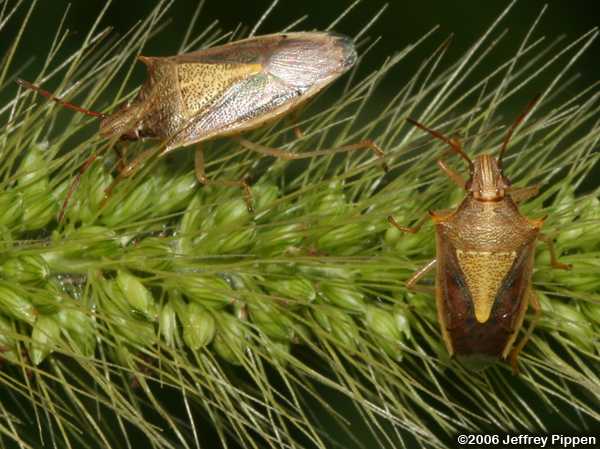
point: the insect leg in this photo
(366, 144)
(537, 310)
(294, 118)
(454, 176)
(86, 164)
(411, 284)
(203, 179)
(412, 229)
(127, 171)
(553, 258)
(524, 193)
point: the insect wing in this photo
(463, 333)
(276, 74)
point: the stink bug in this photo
(224, 91)
(485, 250)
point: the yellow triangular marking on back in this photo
(484, 272)
(200, 85)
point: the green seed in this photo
(347, 239)
(265, 195)
(120, 319)
(45, 337)
(151, 254)
(25, 268)
(339, 324)
(229, 342)
(131, 206)
(167, 324)
(271, 321)
(39, 209)
(207, 290)
(345, 296)
(14, 303)
(175, 193)
(275, 240)
(11, 208)
(297, 289)
(7, 335)
(79, 328)
(233, 211)
(198, 327)
(385, 329)
(137, 295)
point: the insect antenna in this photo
(454, 143)
(51, 96)
(517, 122)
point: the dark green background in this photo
(402, 23)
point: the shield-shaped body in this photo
(229, 89)
(484, 262)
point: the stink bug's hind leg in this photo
(537, 310)
(203, 179)
(294, 118)
(366, 144)
(553, 258)
(411, 284)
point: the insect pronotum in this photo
(224, 91)
(484, 260)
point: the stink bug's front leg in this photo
(454, 176)
(367, 144)
(203, 179)
(523, 193)
(74, 184)
(537, 310)
(410, 229)
(553, 258)
(127, 171)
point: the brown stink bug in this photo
(224, 91)
(484, 261)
